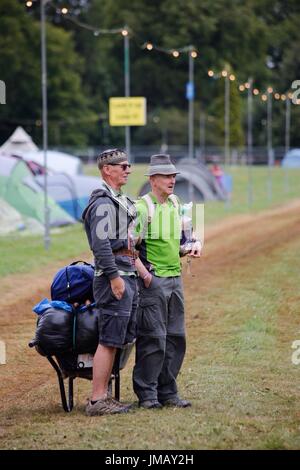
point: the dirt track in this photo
(233, 242)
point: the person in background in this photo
(217, 172)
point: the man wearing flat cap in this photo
(161, 344)
(107, 220)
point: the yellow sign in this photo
(127, 111)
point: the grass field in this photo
(242, 316)
(242, 304)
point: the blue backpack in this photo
(74, 283)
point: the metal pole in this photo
(127, 86)
(269, 120)
(250, 141)
(227, 120)
(287, 138)
(287, 124)
(270, 149)
(45, 125)
(191, 106)
(202, 136)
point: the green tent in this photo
(18, 188)
(12, 221)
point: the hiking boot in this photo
(150, 404)
(105, 406)
(176, 402)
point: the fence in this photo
(141, 154)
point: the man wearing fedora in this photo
(161, 344)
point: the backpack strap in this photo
(150, 207)
(175, 202)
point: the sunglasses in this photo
(124, 166)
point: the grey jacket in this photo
(106, 224)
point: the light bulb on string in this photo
(149, 46)
(210, 73)
(175, 54)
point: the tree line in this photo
(252, 38)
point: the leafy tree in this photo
(69, 115)
(258, 38)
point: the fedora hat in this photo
(161, 165)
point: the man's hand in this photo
(87, 303)
(147, 280)
(196, 249)
(118, 287)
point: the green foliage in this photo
(256, 38)
(218, 109)
(68, 109)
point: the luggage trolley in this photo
(71, 374)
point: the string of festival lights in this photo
(174, 52)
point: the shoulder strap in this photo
(150, 207)
(174, 201)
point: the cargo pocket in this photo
(113, 326)
(149, 321)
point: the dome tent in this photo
(26, 198)
(12, 221)
(56, 161)
(20, 143)
(194, 183)
(72, 193)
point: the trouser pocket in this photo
(150, 319)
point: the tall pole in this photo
(269, 128)
(45, 125)
(191, 105)
(287, 137)
(202, 136)
(127, 84)
(250, 140)
(287, 123)
(227, 119)
(270, 147)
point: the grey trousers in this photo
(160, 345)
